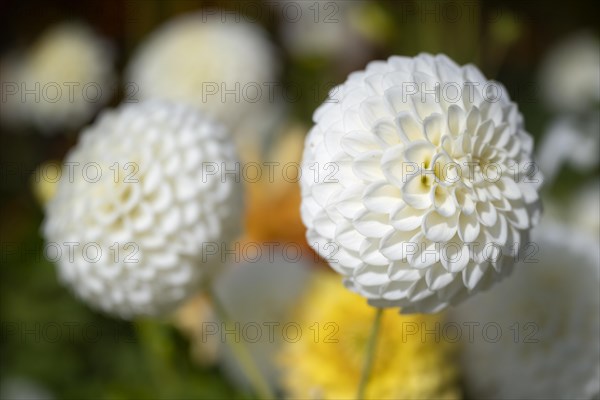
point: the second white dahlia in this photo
(138, 206)
(418, 184)
(222, 66)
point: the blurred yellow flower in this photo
(190, 319)
(327, 360)
(44, 181)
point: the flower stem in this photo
(371, 346)
(242, 354)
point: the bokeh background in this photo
(533, 47)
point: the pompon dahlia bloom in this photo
(65, 77)
(139, 208)
(222, 67)
(544, 324)
(418, 184)
(326, 360)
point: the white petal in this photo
(368, 166)
(434, 128)
(371, 224)
(487, 213)
(407, 218)
(438, 228)
(455, 256)
(382, 197)
(409, 127)
(387, 133)
(456, 120)
(416, 193)
(393, 166)
(509, 188)
(468, 227)
(437, 277)
(395, 244)
(357, 142)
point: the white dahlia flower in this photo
(416, 169)
(535, 335)
(140, 207)
(63, 79)
(223, 67)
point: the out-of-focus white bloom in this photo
(584, 209)
(224, 68)
(18, 388)
(571, 140)
(259, 293)
(327, 29)
(548, 315)
(571, 85)
(404, 191)
(140, 208)
(570, 79)
(62, 80)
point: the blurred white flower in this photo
(306, 32)
(60, 82)
(342, 30)
(570, 75)
(224, 68)
(584, 208)
(19, 388)
(572, 141)
(548, 312)
(137, 207)
(259, 295)
(411, 188)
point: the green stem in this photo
(371, 346)
(241, 352)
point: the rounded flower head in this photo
(414, 168)
(548, 312)
(63, 79)
(211, 63)
(326, 360)
(136, 208)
